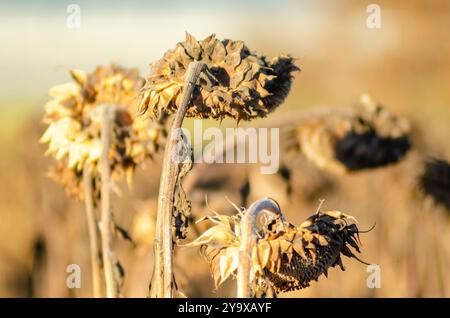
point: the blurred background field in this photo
(405, 65)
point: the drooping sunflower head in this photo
(237, 83)
(285, 257)
(294, 257)
(361, 137)
(73, 116)
(434, 181)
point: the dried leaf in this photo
(229, 261)
(217, 236)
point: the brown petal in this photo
(264, 250)
(298, 248)
(219, 52)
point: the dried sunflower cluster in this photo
(237, 83)
(73, 116)
(285, 257)
(435, 181)
(365, 136)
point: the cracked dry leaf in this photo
(237, 84)
(181, 214)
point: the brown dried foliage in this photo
(73, 132)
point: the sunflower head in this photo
(435, 181)
(364, 136)
(295, 256)
(73, 116)
(285, 257)
(237, 83)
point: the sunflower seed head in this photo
(285, 257)
(362, 137)
(435, 181)
(237, 83)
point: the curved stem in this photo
(248, 227)
(162, 280)
(92, 230)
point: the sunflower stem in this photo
(92, 230)
(248, 229)
(112, 286)
(162, 279)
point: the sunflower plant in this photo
(93, 134)
(283, 257)
(214, 79)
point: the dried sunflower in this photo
(365, 136)
(237, 83)
(73, 118)
(285, 257)
(435, 181)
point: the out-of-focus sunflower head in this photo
(434, 181)
(364, 136)
(73, 115)
(237, 83)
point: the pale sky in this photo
(37, 44)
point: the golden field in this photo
(404, 65)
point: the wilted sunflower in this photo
(73, 116)
(285, 257)
(365, 136)
(238, 83)
(435, 181)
